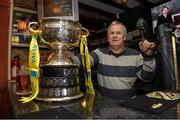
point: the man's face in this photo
(116, 35)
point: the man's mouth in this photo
(114, 40)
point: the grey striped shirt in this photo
(120, 71)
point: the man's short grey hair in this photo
(119, 23)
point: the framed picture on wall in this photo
(176, 19)
(174, 10)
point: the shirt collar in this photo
(115, 54)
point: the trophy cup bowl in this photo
(59, 78)
(65, 34)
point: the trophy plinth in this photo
(59, 78)
(59, 83)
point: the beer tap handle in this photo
(141, 25)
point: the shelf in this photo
(25, 45)
(98, 42)
(25, 10)
(18, 33)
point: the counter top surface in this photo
(85, 107)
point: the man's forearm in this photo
(148, 69)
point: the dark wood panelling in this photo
(4, 29)
(145, 3)
(4, 3)
(6, 111)
(96, 10)
(115, 4)
(160, 2)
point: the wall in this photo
(4, 29)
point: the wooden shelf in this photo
(25, 45)
(18, 33)
(25, 10)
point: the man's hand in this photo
(147, 47)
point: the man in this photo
(165, 17)
(118, 66)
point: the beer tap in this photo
(141, 25)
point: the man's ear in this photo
(125, 38)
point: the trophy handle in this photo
(38, 31)
(85, 32)
(31, 29)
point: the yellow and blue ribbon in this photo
(86, 64)
(34, 60)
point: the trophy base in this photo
(54, 99)
(59, 83)
(59, 70)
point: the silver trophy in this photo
(59, 78)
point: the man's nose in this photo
(115, 35)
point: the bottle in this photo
(15, 68)
(23, 82)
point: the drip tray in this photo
(55, 113)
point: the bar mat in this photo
(145, 103)
(55, 113)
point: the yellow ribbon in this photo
(90, 105)
(34, 60)
(86, 64)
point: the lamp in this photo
(124, 2)
(56, 9)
